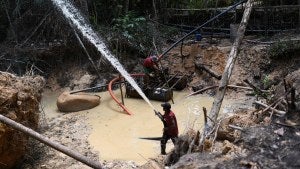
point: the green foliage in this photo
(199, 4)
(266, 81)
(39, 2)
(134, 30)
(277, 2)
(284, 50)
(129, 25)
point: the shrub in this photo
(284, 50)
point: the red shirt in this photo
(171, 122)
(148, 63)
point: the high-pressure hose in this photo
(160, 116)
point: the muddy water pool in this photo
(116, 135)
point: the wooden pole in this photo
(87, 53)
(48, 142)
(229, 66)
(120, 85)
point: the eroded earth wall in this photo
(19, 100)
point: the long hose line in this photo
(196, 29)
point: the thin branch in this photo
(236, 127)
(36, 28)
(9, 20)
(279, 112)
(86, 52)
(211, 87)
(205, 115)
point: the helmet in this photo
(166, 105)
(154, 58)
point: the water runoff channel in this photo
(116, 135)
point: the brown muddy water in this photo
(116, 135)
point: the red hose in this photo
(113, 95)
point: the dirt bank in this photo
(19, 100)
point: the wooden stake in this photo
(121, 79)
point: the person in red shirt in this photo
(170, 130)
(150, 69)
(150, 64)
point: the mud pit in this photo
(115, 135)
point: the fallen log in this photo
(212, 73)
(279, 112)
(48, 142)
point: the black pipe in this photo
(92, 88)
(210, 20)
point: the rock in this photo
(67, 102)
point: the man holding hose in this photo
(170, 130)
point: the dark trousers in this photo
(164, 141)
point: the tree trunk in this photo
(229, 66)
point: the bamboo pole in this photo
(48, 142)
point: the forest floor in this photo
(265, 140)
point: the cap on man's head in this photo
(166, 105)
(154, 58)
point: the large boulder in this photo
(67, 102)
(19, 99)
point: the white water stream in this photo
(78, 21)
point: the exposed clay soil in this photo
(263, 143)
